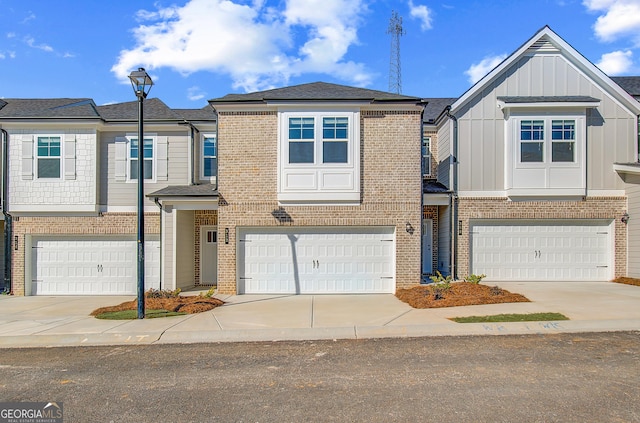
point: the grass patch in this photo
(133, 314)
(531, 317)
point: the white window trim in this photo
(546, 169)
(202, 157)
(311, 182)
(426, 171)
(154, 159)
(36, 157)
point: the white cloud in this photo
(616, 62)
(259, 47)
(618, 19)
(477, 70)
(195, 94)
(31, 42)
(422, 13)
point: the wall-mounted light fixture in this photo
(625, 218)
(409, 228)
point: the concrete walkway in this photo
(65, 321)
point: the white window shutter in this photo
(27, 157)
(69, 156)
(162, 158)
(121, 159)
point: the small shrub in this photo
(209, 293)
(162, 293)
(496, 290)
(474, 278)
(440, 281)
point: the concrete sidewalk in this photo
(65, 321)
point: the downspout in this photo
(6, 283)
(454, 195)
(155, 200)
(422, 172)
(193, 151)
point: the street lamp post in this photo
(141, 83)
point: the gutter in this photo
(454, 195)
(6, 282)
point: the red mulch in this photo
(187, 304)
(460, 294)
(627, 281)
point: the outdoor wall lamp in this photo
(409, 228)
(141, 83)
(625, 218)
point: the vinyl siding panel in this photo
(481, 124)
(444, 240)
(444, 152)
(168, 275)
(123, 193)
(633, 227)
(184, 251)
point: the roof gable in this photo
(547, 41)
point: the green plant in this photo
(162, 293)
(209, 293)
(532, 317)
(440, 281)
(474, 278)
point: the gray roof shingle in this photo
(154, 109)
(204, 190)
(630, 84)
(204, 114)
(319, 91)
(435, 107)
(49, 108)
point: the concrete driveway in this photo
(55, 321)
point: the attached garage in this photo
(90, 266)
(542, 250)
(316, 260)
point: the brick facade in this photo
(390, 186)
(606, 208)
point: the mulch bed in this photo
(460, 294)
(627, 281)
(187, 304)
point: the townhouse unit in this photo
(532, 174)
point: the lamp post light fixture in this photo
(141, 83)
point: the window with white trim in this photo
(209, 168)
(133, 159)
(48, 157)
(319, 155)
(426, 156)
(546, 153)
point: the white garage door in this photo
(535, 250)
(91, 266)
(316, 260)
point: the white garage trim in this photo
(544, 250)
(89, 265)
(316, 260)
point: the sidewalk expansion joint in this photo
(397, 317)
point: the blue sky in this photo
(201, 49)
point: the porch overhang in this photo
(435, 193)
(187, 197)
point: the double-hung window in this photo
(209, 156)
(547, 140)
(426, 156)
(318, 155)
(147, 158)
(48, 156)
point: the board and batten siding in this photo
(444, 152)
(481, 124)
(123, 193)
(184, 240)
(633, 226)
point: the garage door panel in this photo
(537, 250)
(91, 266)
(315, 260)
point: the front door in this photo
(208, 255)
(427, 246)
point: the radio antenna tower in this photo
(395, 71)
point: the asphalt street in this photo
(587, 377)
